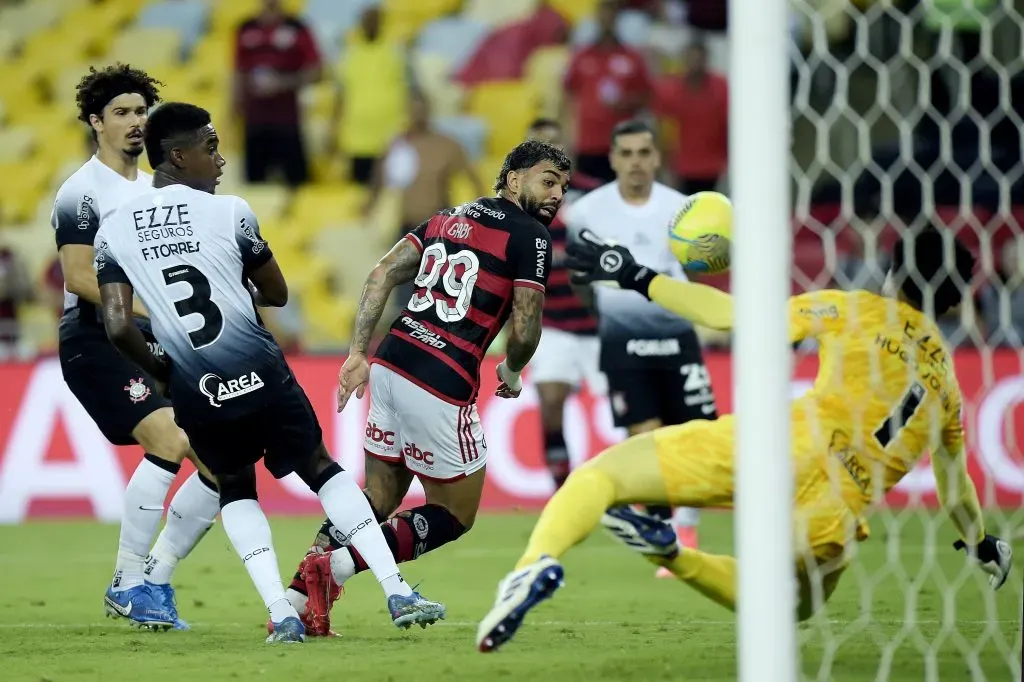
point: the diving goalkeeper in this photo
(885, 395)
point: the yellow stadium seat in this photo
(574, 10)
(10, 41)
(29, 17)
(24, 184)
(508, 107)
(328, 321)
(352, 250)
(545, 71)
(268, 202)
(16, 143)
(63, 43)
(33, 242)
(212, 61)
(103, 19)
(499, 13)
(227, 15)
(147, 48)
(317, 205)
(404, 18)
(433, 74)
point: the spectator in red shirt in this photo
(275, 56)
(698, 105)
(15, 289)
(607, 83)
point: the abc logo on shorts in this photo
(414, 453)
(375, 434)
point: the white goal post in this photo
(853, 122)
(759, 172)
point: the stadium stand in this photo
(319, 230)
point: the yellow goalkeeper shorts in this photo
(697, 462)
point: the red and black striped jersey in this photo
(474, 255)
(563, 309)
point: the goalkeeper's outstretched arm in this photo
(957, 494)
(699, 303)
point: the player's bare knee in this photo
(172, 446)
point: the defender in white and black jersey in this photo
(652, 358)
(473, 267)
(200, 266)
(124, 401)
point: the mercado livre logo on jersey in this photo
(218, 390)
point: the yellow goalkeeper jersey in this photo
(885, 392)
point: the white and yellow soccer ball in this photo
(700, 234)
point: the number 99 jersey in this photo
(187, 254)
(474, 255)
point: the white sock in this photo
(190, 515)
(249, 532)
(281, 609)
(342, 565)
(350, 512)
(297, 599)
(143, 508)
(686, 517)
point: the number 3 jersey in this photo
(473, 257)
(187, 255)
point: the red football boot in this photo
(323, 591)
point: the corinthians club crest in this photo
(137, 390)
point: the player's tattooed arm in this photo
(124, 334)
(524, 335)
(398, 266)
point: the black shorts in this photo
(673, 393)
(112, 389)
(283, 434)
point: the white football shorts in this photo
(436, 440)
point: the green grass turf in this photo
(611, 621)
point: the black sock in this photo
(556, 456)
(170, 467)
(416, 531)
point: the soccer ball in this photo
(700, 234)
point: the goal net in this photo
(905, 113)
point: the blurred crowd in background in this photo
(347, 122)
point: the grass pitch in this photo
(908, 609)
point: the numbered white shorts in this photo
(435, 440)
(566, 358)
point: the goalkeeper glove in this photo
(993, 555)
(595, 260)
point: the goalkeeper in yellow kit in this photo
(885, 395)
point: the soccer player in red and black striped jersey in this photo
(473, 267)
(569, 348)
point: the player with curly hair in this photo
(126, 403)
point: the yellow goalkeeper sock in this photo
(571, 515)
(713, 575)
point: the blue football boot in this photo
(140, 606)
(414, 609)
(165, 595)
(288, 631)
(520, 591)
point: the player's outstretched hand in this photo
(352, 378)
(510, 384)
(595, 260)
(994, 556)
